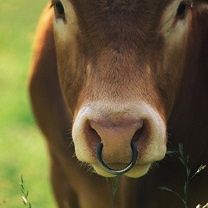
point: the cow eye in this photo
(59, 10)
(181, 9)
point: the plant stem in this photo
(185, 162)
(112, 188)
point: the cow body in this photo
(118, 71)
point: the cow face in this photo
(120, 64)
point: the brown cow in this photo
(127, 73)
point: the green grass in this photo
(112, 184)
(184, 159)
(22, 148)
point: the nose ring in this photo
(123, 170)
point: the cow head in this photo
(120, 64)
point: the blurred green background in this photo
(22, 147)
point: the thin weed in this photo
(25, 193)
(112, 188)
(185, 162)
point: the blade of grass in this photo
(112, 184)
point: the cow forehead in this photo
(145, 15)
(134, 7)
(123, 3)
(104, 10)
(119, 20)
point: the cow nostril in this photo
(92, 136)
(94, 132)
(139, 133)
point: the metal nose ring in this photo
(117, 172)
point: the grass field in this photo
(22, 148)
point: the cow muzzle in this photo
(118, 140)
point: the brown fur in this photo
(181, 98)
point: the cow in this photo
(114, 84)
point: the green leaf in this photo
(185, 188)
(182, 161)
(188, 171)
(180, 149)
(170, 190)
(170, 152)
(164, 188)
